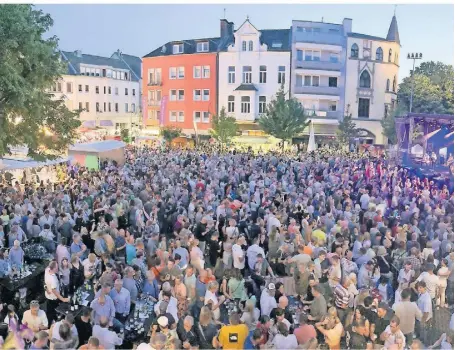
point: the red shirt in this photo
(304, 333)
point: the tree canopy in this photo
(433, 89)
(29, 66)
(170, 132)
(346, 129)
(224, 127)
(284, 118)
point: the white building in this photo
(105, 89)
(372, 67)
(251, 71)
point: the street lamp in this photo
(413, 57)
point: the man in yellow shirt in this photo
(232, 336)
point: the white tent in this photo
(311, 142)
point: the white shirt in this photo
(144, 346)
(237, 254)
(171, 308)
(282, 342)
(393, 338)
(107, 338)
(35, 321)
(268, 303)
(56, 330)
(432, 282)
(272, 221)
(51, 282)
(252, 253)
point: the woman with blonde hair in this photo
(331, 328)
(212, 299)
(250, 314)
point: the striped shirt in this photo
(341, 296)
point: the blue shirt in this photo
(4, 268)
(122, 300)
(130, 284)
(248, 342)
(76, 248)
(107, 310)
(184, 254)
(201, 288)
(151, 289)
(16, 257)
(130, 253)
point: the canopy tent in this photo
(91, 154)
(8, 164)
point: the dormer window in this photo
(177, 48)
(250, 45)
(203, 46)
(277, 44)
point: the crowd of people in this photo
(237, 250)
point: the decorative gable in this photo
(247, 39)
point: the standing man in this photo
(52, 292)
(122, 301)
(408, 312)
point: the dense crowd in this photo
(236, 250)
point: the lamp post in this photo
(413, 57)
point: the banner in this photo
(144, 110)
(163, 109)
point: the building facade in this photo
(107, 90)
(251, 70)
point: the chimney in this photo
(78, 53)
(226, 28)
(347, 25)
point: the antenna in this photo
(395, 10)
(322, 20)
(224, 13)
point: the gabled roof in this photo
(246, 87)
(74, 61)
(133, 62)
(189, 47)
(393, 34)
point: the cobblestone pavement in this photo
(441, 324)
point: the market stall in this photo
(92, 154)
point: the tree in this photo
(170, 132)
(125, 134)
(388, 124)
(347, 129)
(29, 66)
(224, 127)
(284, 118)
(433, 89)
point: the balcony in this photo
(318, 90)
(318, 38)
(155, 83)
(318, 65)
(153, 103)
(322, 115)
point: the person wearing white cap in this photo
(268, 301)
(162, 327)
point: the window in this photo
(196, 95)
(104, 107)
(333, 81)
(173, 116)
(116, 91)
(114, 74)
(126, 91)
(104, 88)
(173, 73)
(181, 95)
(197, 117)
(97, 89)
(205, 117)
(394, 84)
(315, 81)
(334, 57)
(109, 106)
(154, 76)
(97, 72)
(332, 106)
(262, 104)
(245, 106)
(109, 91)
(158, 95)
(379, 54)
(177, 48)
(355, 51)
(365, 79)
(281, 74)
(134, 92)
(205, 95)
(150, 114)
(109, 73)
(386, 110)
(311, 55)
(247, 75)
(231, 104)
(364, 107)
(300, 29)
(80, 107)
(86, 88)
(244, 45)
(299, 55)
(231, 75)
(277, 44)
(197, 72)
(87, 106)
(97, 107)
(59, 87)
(206, 72)
(181, 72)
(152, 94)
(390, 55)
(116, 107)
(126, 107)
(262, 74)
(80, 88)
(158, 115)
(203, 46)
(69, 87)
(82, 70)
(173, 94)
(387, 85)
(250, 45)
(307, 80)
(181, 117)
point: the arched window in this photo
(387, 86)
(365, 79)
(250, 45)
(390, 55)
(244, 45)
(355, 51)
(379, 54)
(394, 84)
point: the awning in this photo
(246, 87)
(106, 123)
(89, 124)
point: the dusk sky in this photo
(139, 29)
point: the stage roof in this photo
(98, 146)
